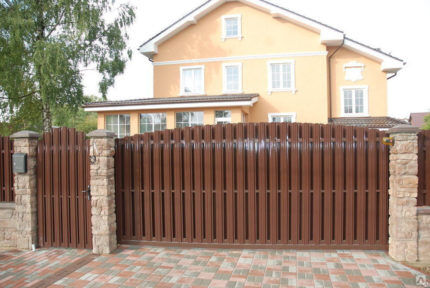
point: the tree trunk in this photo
(46, 109)
(46, 113)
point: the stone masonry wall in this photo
(7, 225)
(424, 234)
(26, 195)
(403, 222)
(102, 145)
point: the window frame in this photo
(293, 76)
(222, 119)
(365, 113)
(224, 72)
(197, 124)
(153, 123)
(118, 124)
(292, 114)
(239, 27)
(181, 70)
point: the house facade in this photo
(253, 61)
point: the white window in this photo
(151, 122)
(232, 26)
(282, 117)
(223, 117)
(188, 119)
(281, 76)
(192, 80)
(119, 124)
(354, 101)
(232, 78)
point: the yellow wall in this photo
(262, 34)
(373, 77)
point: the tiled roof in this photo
(417, 119)
(175, 100)
(369, 122)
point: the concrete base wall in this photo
(7, 225)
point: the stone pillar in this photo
(25, 185)
(103, 219)
(424, 234)
(403, 222)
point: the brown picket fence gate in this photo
(64, 212)
(6, 175)
(424, 168)
(273, 185)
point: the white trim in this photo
(328, 34)
(242, 57)
(239, 27)
(172, 106)
(293, 76)
(181, 69)
(388, 64)
(292, 114)
(224, 77)
(365, 101)
(353, 64)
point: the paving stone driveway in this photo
(133, 266)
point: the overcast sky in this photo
(396, 26)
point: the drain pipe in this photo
(392, 76)
(329, 77)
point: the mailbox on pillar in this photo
(19, 163)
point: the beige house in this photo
(253, 61)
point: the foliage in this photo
(45, 46)
(426, 125)
(61, 117)
(79, 119)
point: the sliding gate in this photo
(254, 185)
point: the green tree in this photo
(45, 46)
(75, 118)
(426, 125)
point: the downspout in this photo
(392, 76)
(329, 78)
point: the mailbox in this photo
(19, 163)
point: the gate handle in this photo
(88, 191)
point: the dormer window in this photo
(232, 26)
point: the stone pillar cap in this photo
(24, 134)
(101, 134)
(404, 129)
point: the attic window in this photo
(232, 27)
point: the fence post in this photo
(25, 186)
(403, 222)
(102, 151)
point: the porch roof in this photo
(369, 122)
(225, 100)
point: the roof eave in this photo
(389, 64)
(134, 107)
